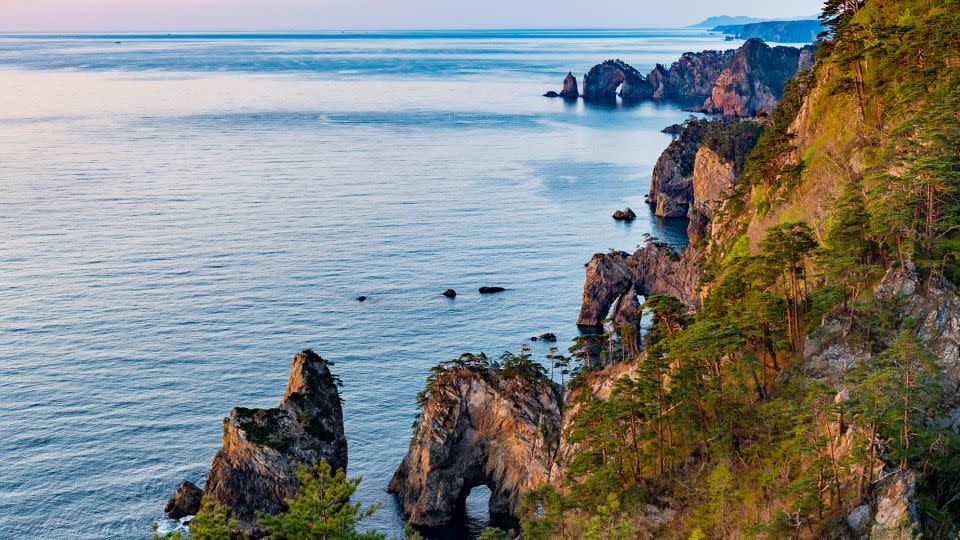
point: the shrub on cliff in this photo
(322, 510)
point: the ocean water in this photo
(179, 215)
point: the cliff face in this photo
(478, 428)
(672, 179)
(754, 80)
(262, 448)
(713, 178)
(934, 307)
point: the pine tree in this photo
(322, 509)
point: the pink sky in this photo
(171, 15)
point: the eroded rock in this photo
(608, 278)
(478, 428)
(896, 509)
(713, 178)
(615, 77)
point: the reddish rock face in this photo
(570, 90)
(754, 80)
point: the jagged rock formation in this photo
(185, 502)
(478, 428)
(754, 80)
(262, 448)
(691, 179)
(618, 277)
(570, 89)
(692, 76)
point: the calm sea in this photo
(179, 215)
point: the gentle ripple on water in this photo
(179, 217)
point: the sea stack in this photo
(262, 448)
(570, 90)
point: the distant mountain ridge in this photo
(728, 20)
(800, 31)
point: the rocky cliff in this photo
(262, 448)
(754, 79)
(671, 182)
(931, 306)
(478, 427)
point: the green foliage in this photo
(493, 533)
(322, 509)
(609, 522)
(541, 513)
(212, 522)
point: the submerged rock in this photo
(262, 448)
(478, 428)
(491, 290)
(185, 502)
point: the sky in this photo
(173, 15)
